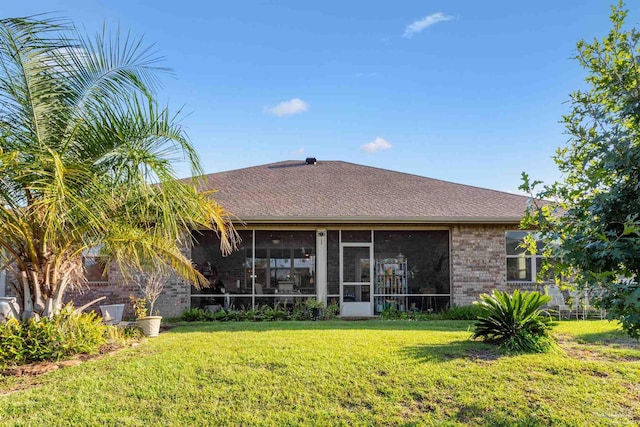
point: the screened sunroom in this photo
(364, 271)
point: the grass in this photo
(338, 373)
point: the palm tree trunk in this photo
(56, 300)
(38, 303)
(27, 302)
(48, 308)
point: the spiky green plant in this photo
(87, 158)
(515, 322)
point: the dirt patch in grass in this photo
(615, 350)
(39, 368)
(166, 327)
(416, 405)
(616, 342)
(31, 369)
(483, 354)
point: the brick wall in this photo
(478, 258)
(174, 300)
(172, 303)
(116, 290)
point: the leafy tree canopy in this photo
(591, 223)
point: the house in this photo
(362, 237)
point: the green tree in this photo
(87, 161)
(591, 220)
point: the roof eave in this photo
(378, 219)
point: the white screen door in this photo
(356, 272)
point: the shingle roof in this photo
(335, 191)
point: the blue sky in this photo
(464, 91)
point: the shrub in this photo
(310, 309)
(220, 316)
(331, 311)
(30, 341)
(80, 333)
(392, 313)
(66, 334)
(277, 312)
(422, 315)
(468, 312)
(514, 322)
(122, 336)
(237, 316)
(194, 315)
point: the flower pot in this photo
(9, 308)
(112, 313)
(150, 325)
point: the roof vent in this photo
(310, 160)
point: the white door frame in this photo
(356, 309)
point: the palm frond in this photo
(87, 156)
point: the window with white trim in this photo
(522, 266)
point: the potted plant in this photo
(150, 286)
(316, 307)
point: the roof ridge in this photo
(246, 167)
(302, 163)
(428, 177)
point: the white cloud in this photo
(287, 108)
(424, 23)
(377, 145)
(298, 152)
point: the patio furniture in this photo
(285, 287)
(213, 308)
(596, 293)
(579, 303)
(557, 302)
(591, 311)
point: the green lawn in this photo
(338, 373)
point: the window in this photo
(522, 266)
(95, 266)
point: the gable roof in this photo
(336, 191)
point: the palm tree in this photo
(87, 162)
